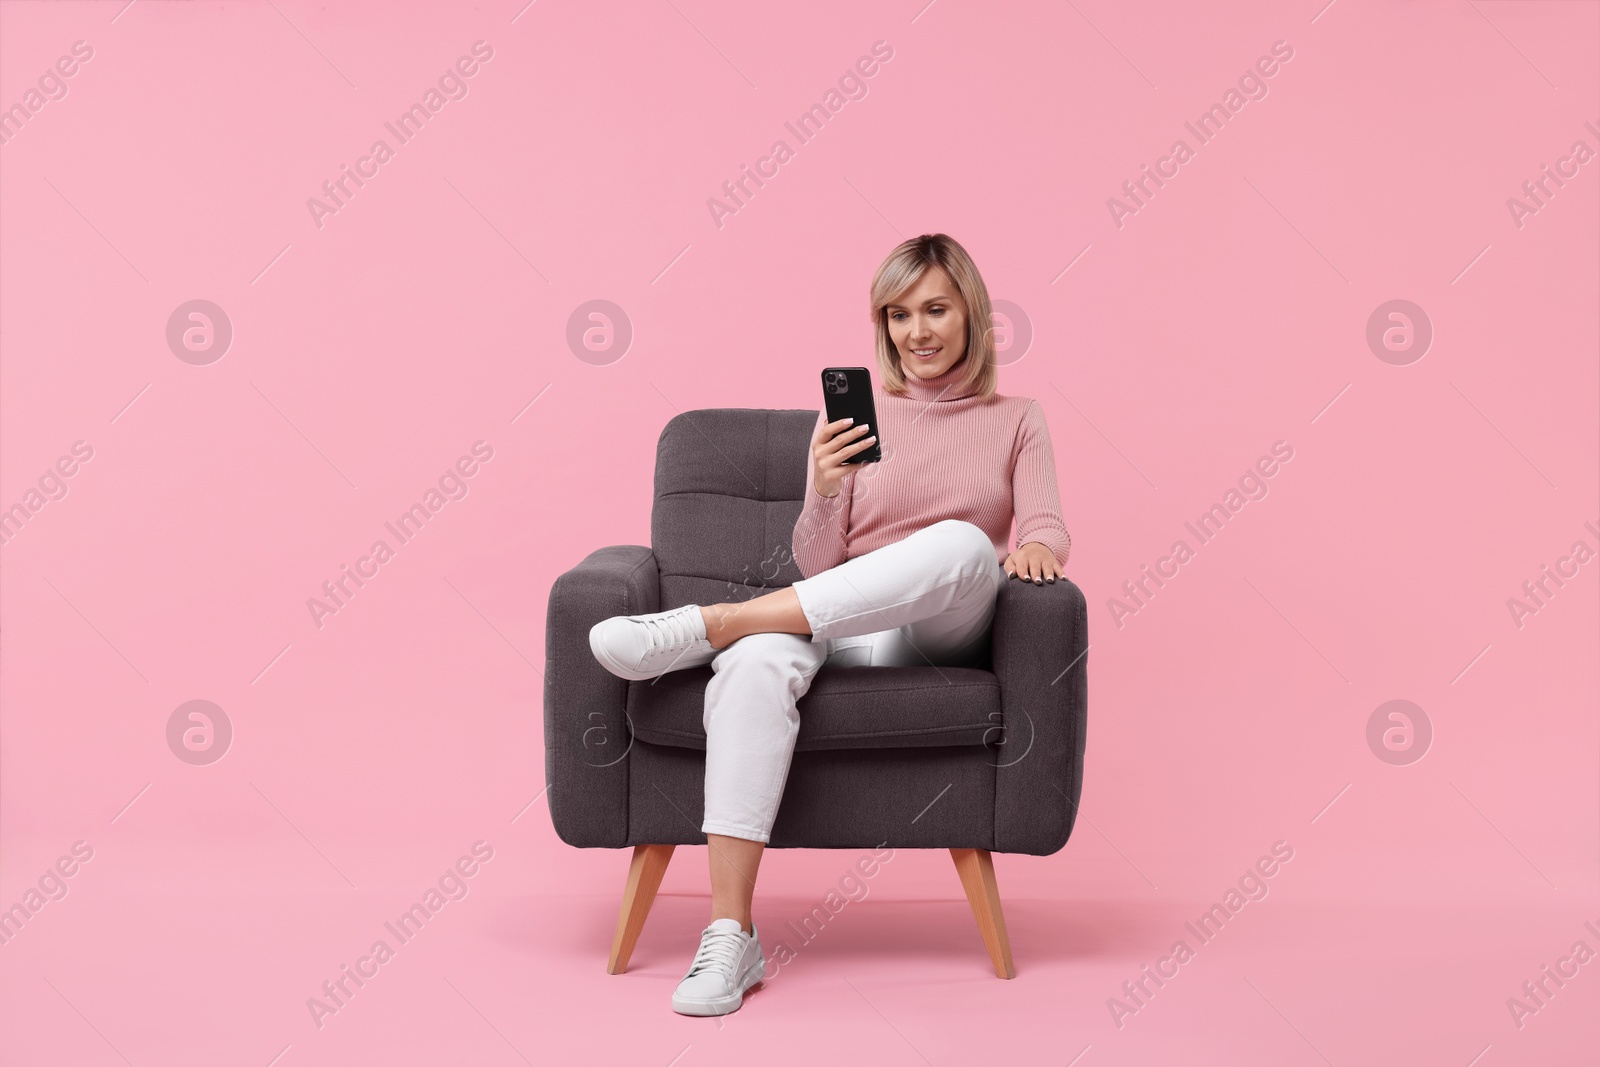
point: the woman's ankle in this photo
(745, 923)
(717, 619)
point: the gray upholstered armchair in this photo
(976, 761)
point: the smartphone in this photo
(847, 393)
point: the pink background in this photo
(1227, 314)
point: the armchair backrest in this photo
(728, 487)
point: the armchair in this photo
(970, 759)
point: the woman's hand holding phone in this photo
(830, 448)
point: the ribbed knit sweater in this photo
(947, 454)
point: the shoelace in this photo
(669, 632)
(719, 950)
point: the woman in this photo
(902, 560)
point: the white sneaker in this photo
(637, 647)
(729, 962)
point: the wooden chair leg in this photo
(644, 878)
(976, 868)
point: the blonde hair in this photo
(901, 270)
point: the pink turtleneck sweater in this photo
(946, 455)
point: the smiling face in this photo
(928, 324)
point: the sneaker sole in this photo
(728, 1004)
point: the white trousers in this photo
(927, 599)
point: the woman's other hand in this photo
(829, 450)
(1033, 562)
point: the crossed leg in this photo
(938, 582)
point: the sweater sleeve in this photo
(1036, 499)
(819, 533)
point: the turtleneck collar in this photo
(942, 387)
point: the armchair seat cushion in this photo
(846, 707)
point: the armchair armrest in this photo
(586, 734)
(1040, 643)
